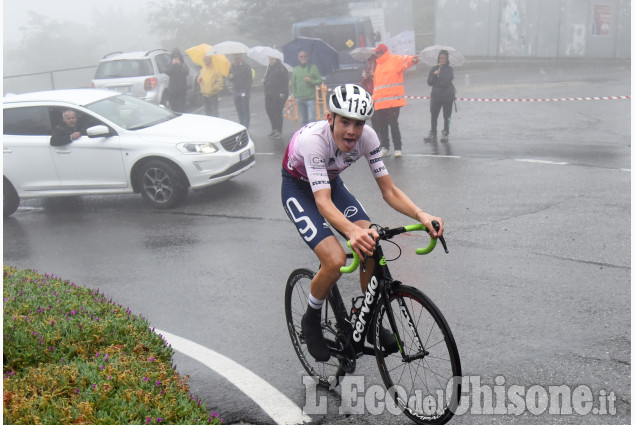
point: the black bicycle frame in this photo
(377, 290)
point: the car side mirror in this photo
(98, 131)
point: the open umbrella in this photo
(362, 54)
(261, 54)
(430, 55)
(321, 54)
(197, 53)
(228, 48)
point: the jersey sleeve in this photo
(372, 153)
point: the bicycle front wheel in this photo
(296, 300)
(425, 379)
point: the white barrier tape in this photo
(467, 99)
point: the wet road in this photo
(536, 288)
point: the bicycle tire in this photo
(327, 373)
(439, 369)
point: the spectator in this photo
(66, 131)
(441, 96)
(276, 85)
(303, 81)
(389, 95)
(177, 87)
(210, 80)
(241, 76)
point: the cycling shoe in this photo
(312, 330)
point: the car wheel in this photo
(11, 200)
(162, 184)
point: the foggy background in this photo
(43, 36)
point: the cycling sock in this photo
(314, 302)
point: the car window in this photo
(163, 62)
(124, 68)
(84, 120)
(28, 121)
(131, 113)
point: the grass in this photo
(72, 356)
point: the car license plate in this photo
(245, 155)
(124, 89)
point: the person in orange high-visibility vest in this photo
(389, 95)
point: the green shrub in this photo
(72, 356)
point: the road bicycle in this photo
(424, 376)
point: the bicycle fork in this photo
(405, 312)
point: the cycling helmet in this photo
(351, 101)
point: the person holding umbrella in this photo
(211, 82)
(241, 76)
(441, 97)
(276, 85)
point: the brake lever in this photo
(436, 226)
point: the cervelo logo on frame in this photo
(363, 315)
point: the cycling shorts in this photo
(299, 204)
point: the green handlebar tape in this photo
(413, 227)
(354, 264)
(428, 249)
(431, 245)
(409, 228)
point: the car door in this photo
(89, 164)
(27, 159)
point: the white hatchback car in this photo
(127, 145)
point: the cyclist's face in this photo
(346, 131)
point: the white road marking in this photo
(275, 404)
(541, 161)
(431, 155)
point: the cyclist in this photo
(315, 198)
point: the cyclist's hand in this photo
(363, 241)
(427, 219)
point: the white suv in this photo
(139, 74)
(126, 145)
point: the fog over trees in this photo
(50, 44)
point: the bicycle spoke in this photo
(429, 360)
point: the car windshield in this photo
(131, 113)
(124, 68)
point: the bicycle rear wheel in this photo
(296, 298)
(426, 384)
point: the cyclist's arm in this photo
(360, 238)
(400, 202)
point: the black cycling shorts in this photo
(299, 204)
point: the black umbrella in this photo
(320, 54)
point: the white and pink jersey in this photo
(313, 155)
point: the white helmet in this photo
(351, 101)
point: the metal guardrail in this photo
(77, 77)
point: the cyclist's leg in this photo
(300, 206)
(332, 257)
(346, 202)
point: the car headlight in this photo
(194, 148)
